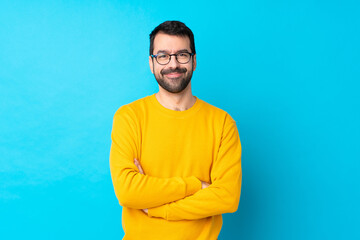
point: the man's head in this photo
(172, 55)
(174, 28)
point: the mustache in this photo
(176, 70)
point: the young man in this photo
(175, 160)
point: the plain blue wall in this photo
(287, 71)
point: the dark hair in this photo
(175, 28)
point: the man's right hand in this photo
(204, 185)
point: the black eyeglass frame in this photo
(176, 57)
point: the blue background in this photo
(287, 71)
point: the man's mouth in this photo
(173, 73)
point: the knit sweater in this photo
(177, 150)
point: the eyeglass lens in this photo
(180, 57)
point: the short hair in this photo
(174, 28)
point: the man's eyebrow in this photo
(162, 51)
(182, 50)
(165, 51)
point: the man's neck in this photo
(176, 101)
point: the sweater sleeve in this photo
(223, 195)
(135, 190)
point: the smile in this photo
(173, 75)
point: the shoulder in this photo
(216, 112)
(133, 109)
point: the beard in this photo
(174, 85)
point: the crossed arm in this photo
(135, 190)
(175, 198)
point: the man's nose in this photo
(173, 62)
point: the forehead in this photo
(170, 43)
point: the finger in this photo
(138, 165)
(140, 169)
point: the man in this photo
(175, 160)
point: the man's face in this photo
(174, 77)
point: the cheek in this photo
(190, 68)
(157, 70)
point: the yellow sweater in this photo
(177, 150)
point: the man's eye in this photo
(182, 55)
(162, 56)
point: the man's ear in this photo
(151, 64)
(194, 62)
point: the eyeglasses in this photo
(164, 58)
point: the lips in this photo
(173, 75)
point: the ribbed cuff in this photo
(192, 185)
